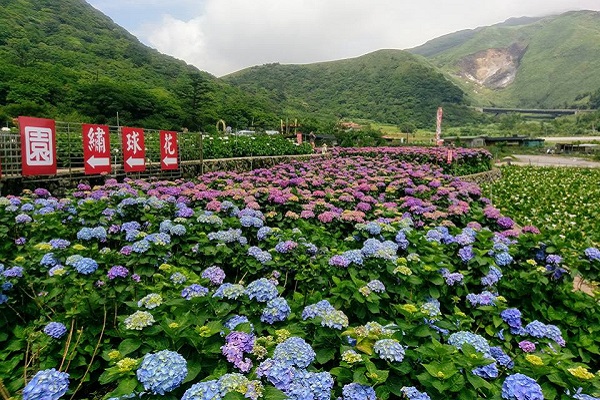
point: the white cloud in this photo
(222, 36)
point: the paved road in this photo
(570, 139)
(553, 161)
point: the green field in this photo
(561, 202)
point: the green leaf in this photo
(126, 386)
(128, 346)
(325, 354)
(272, 393)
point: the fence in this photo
(70, 159)
(69, 153)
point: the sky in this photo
(224, 36)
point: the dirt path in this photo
(553, 161)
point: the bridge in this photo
(537, 112)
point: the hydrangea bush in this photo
(358, 277)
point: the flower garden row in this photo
(357, 277)
(566, 207)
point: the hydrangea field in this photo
(360, 276)
(564, 201)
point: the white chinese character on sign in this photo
(38, 146)
(133, 142)
(97, 141)
(169, 144)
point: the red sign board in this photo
(168, 150)
(134, 151)
(96, 149)
(38, 146)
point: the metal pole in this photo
(201, 153)
(69, 146)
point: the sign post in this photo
(168, 150)
(38, 146)
(438, 130)
(134, 151)
(96, 149)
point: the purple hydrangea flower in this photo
(117, 271)
(527, 346)
(214, 274)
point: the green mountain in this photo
(524, 62)
(391, 86)
(65, 59)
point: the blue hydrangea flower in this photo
(234, 321)
(48, 260)
(503, 259)
(276, 310)
(141, 246)
(194, 290)
(59, 243)
(178, 230)
(48, 384)
(512, 316)
(376, 286)
(356, 391)
(279, 372)
(14, 272)
(412, 393)
(262, 290)
(521, 387)
(295, 351)
(317, 309)
(401, 240)
(310, 385)
(593, 254)
(263, 233)
(451, 278)
(55, 330)
(536, 329)
(229, 291)
(178, 278)
(86, 266)
(479, 342)
(489, 371)
(501, 357)
(389, 349)
(260, 255)
(162, 372)
(484, 298)
(493, 276)
(466, 253)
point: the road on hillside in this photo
(553, 161)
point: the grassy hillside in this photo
(65, 59)
(556, 70)
(389, 86)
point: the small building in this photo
(577, 148)
(482, 141)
